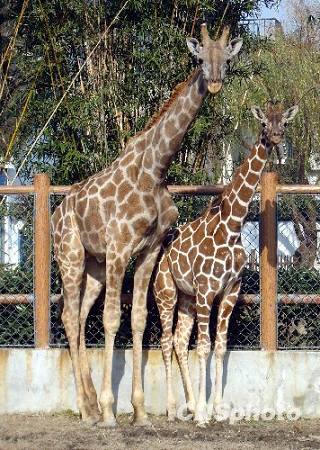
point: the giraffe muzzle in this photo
(276, 139)
(214, 87)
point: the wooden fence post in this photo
(42, 260)
(268, 261)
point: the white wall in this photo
(42, 380)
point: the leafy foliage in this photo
(288, 72)
(16, 280)
(132, 72)
(290, 281)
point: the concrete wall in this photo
(42, 380)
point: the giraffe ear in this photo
(258, 114)
(234, 47)
(290, 113)
(194, 46)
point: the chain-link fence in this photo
(244, 330)
(298, 301)
(298, 271)
(57, 334)
(16, 270)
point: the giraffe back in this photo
(204, 254)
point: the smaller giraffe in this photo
(204, 264)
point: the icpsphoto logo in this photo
(228, 413)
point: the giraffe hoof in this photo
(201, 424)
(172, 417)
(141, 422)
(201, 419)
(92, 420)
(109, 423)
(186, 414)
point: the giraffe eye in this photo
(264, 124)
(285, 124)
(200, 60)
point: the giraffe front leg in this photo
(144, 268)
(225, 310)
(165, 294)
(115, 269)
(204, 303)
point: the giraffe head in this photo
(274, 122)
(213, 56)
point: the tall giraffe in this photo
(122, 211)
(204, 262)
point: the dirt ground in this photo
(60, 432)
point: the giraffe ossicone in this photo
(203, 264)
(125, 210)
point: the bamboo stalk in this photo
(17, 127)
(9, 49)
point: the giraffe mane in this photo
(168, 103)
(214, 202)
(227, 190)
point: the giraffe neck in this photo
(173, 123)
(239, 193)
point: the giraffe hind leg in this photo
(186, 317)
(69, 253)
(225, 310)
(70, 319)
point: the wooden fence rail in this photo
(269, 189)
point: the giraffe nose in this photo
(216, 79)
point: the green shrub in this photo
(290, 281)
(298, 281)
(16, 280)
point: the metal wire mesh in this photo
(244, 328)
(298, 271)
(57, 334)
(298, 279)
(16, 271)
